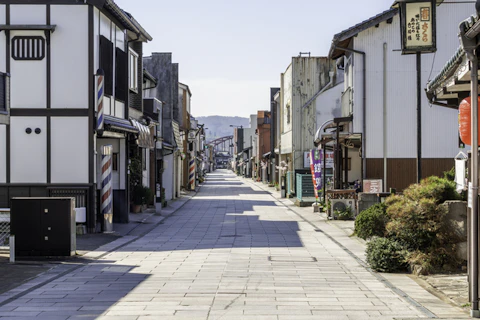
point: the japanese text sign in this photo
(418, 27)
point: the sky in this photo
(231, 52)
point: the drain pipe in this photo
(364, 108)
(385, 132)
(470, 46)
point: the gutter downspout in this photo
(470, 46)
(385, 137)
(364, 108)
(273, 106)
(474, 181)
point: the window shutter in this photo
(121, 75)
(106, 63)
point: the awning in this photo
(176, 134)
(118, 125)
(246, 149)
(144, 139)
(452, 84)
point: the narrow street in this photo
(232, 252)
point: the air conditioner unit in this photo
(191, 135)
(340, 205)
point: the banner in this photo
(316, 158)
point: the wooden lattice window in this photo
(28, 48)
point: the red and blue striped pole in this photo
(106, 195)
(191, 172)
(100, 93)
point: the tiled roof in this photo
(364, 25)
(454, 62)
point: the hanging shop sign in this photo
(418, 26)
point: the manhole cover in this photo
(291, 259)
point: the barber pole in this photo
(106, 196)
(100, 94)
(191, 173)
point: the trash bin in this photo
(283, 187)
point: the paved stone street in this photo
(232, 252)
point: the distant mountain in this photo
(219, 126)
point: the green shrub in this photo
(439, 189)
(142, 195)
(415, 223)
(386, 255)
(450, 174)
(371, 222)
(346, 214)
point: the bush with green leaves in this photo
(346, 214)
(386, 255)
(142, 195)
(371, 222)
(450, 174)
(439, 189)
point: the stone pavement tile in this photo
(114, 318)
(38, 318)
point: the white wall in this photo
(70, 156)
(120, 38)
(28, 79)
(69, 44)
(146, 172)
(287, 99)
(119, 109)
(168, 183)
(28, 154)
(3, 61)
(28, 14)
(439, 125)
(329, 105)
(115, 174)
(3, 154)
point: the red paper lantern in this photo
(464, 121)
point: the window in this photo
(106, 63)
(133, 76)
(28, 48)
(4, 91)
(121, 75)
(288, 113)
(114, 161)
(144, 159)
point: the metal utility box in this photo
(43, 226)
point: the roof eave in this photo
(346, 35)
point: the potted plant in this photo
(138, 198)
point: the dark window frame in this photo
(23, 42)
(4, 92)
(121, 75)
(106, 63)
(115, 161)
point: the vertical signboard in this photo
(418, 26)
(316, 157)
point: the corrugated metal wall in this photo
(439, 125)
